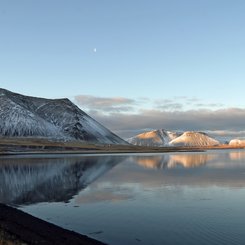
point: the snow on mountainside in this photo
(162, 137)
(237, 142)
(52, 118)
(194, 139)
(158, 137)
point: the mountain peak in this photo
(158, 137)
(163, 137)
(193, 138)
(50, 118)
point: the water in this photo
(173, 198)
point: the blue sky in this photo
(179, 55)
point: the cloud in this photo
(232, 133)
(170, 106)
(125, 116)
(127, 125)
(209, 105)
(106, 104)
(184, 103)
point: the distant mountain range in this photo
(25, 116)
(158, 137)
(60, 119)
(162, 137)
(237, 142)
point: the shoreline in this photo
(18, 227)
(16, 151)
(28, 146)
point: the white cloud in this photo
(230, 119)
(106, 104)
(124, 116)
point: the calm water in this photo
(183, 198)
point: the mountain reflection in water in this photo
(34, 180)
(172, 161)
(172, 198)
(139, 173)
(188, 160)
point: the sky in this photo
(133, 65)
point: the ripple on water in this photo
(207, 229)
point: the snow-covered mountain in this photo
(191, 138)
(237, 142)
(51, 118)
(158, 137)
(162, 138)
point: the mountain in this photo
(25, 116)
(158, 137)
(161, 137)
(191, 138)
(237, 142)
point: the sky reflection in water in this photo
(183, 198)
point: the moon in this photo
(95, 50)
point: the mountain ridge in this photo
(158, 137)
(29, 116)
(193, 138)
(163, 138)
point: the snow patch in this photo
(237, 142)
(192, 138)
(158, 137)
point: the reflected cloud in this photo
(102, 195)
